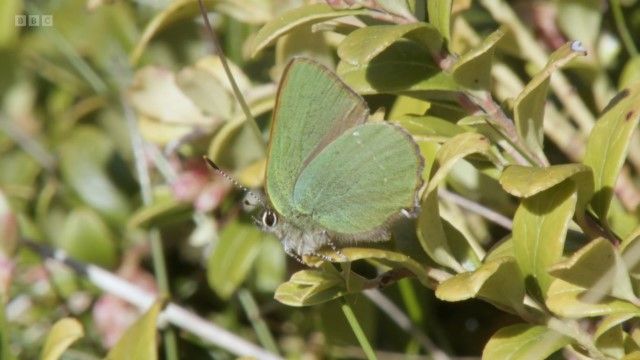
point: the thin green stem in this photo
(236, 89)
(157, 252)
(357, 330)
(259, 325)
(618, 18)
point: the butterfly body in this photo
(331, 177)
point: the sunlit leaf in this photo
(572, 301)
(608, 143)
(86, 237)
(363, 45)
(524, 341)
(140, 339)
(440, 16)
(498, 281)
(539, 230)
(62, 334)
(308, 14)
(598, 266)
(528, 107)
(609, 336)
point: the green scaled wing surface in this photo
(313, 108)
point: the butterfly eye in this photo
(269, 218)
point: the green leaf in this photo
(403, 67)
(528, 107)
(406, 105)
(231, 259)
(609, 336)
(8, 29)
(568, 300)
(364, 44)
(309, 14)
(163, 209)
(525, 181)
(62, 334)
(539, 230)
(8, 230)
(580, 20)
(390, 258)
(271, 265)
(432, 236)
(83, 160)
(630, 73)
(608, 143)
(5, 331)
(312, 287)
(524, 341)
(598, 266)
(453, 150)
(429, 128)
(440, 16)
(498, 281)
(140, 339)
(176, 11)
(87, 238)
(473, 69)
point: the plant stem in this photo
(357, 330)
(259, 325)
(157, 253)
(625, 36)
(236, 89)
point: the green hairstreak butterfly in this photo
(331, 177)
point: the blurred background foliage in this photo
(104, 117)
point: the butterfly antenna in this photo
(232, 180)
(234, 85)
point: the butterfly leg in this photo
(336, 250)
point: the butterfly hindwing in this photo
(360, 180)
(313, 108)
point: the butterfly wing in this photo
(360, 180)
(313, 107)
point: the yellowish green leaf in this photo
(528, 107)
(608, 143)
(524, 341)
(571, 301)
(62, 334)
(86, 237)
(232, 257)
(308, 14)
(440, 16)
(598, 267)
(539, 230)
(496, 281)
(473, 69)
(140, 339)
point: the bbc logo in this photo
(34, 20)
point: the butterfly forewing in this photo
(313, 108)
(360, 180)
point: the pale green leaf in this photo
(363, 45)
(598, 266)
(232, 257)
(432, 236)
(524, 341)
(140, 339)
(453, 150)
(428, 128)
(571, 301)
(62, 334)
(308, 14)
(609, 336)
(608, 143)
(83, 159)
(528, 107)
(580, 20)
(630, 72)
(473, 69)
(87, 238)
(440, 16)
(539, 230)
(8, 29)
(498, 281)
(406, 105)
